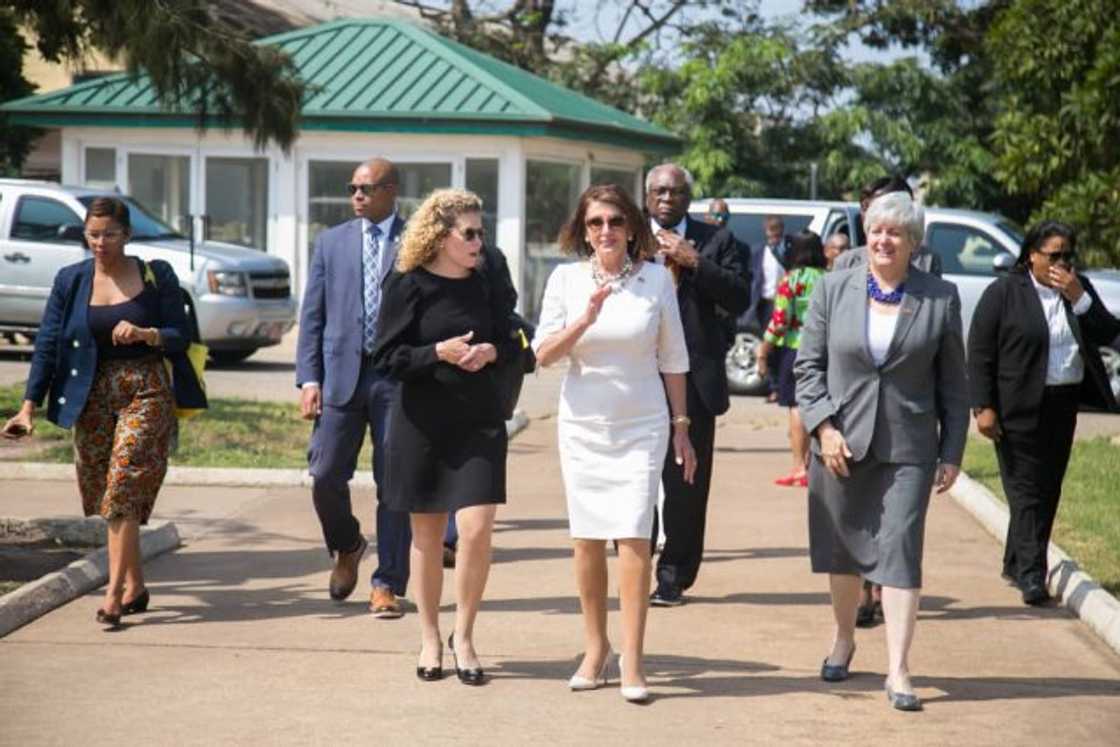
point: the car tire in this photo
(230, 357)
(742, 367)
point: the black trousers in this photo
(686, 506)
(1032, 466)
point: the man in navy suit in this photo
(341, 391)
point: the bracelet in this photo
(681, 420)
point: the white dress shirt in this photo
(772, 272)
(1064, 364)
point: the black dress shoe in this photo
(903, 701)
(1034, 591)
(112, 621)
(474, 676)
(430, 674)
(667, 595)
(837, 672)
(137, 605)
(865, 615)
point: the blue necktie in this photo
(371, 285)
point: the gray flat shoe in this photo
(837, 672)
(903, 701)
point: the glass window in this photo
(963, 250)
(101, 168)
(144, 226)
(329, 205)
(162, 184)
(237, 201)
(42, 219)
(621, 177)
(482, 179)
(551, 193)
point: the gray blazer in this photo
(329, 349)
(923, 259)
(914, 408)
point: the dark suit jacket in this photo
(65, 358)
(719, 286)
(1009, 344)
(329, 349)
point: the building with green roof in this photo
(446, 114)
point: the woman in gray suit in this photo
(881, 383)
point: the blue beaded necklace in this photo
(876, 293)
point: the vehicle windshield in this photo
(1012, 229)
(145, 226)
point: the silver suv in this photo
(239, 299)
(973, 247)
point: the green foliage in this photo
(15, 141)
(194, 58)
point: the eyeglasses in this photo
(367, 189)
(614, 223)
(470, 234)
(1066, 256)
(670, 191)
(92, 236)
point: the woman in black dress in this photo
(441, 329)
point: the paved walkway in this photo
(242, 645)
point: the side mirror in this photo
(71, 233)
(1003, 262)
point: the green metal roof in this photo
(377, 75)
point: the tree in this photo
(195, 58)
(1057, 138)
(15, 141)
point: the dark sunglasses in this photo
(367, 189)
(470, 234)
(1066, 256)
(613, 222)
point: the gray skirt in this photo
(871, 523)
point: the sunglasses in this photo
(614, 222)
(470, 234)
(1066, 256)
(367, 189)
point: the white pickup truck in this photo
(240, 299)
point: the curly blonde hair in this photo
(430, 224)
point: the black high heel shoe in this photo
(113, 621)
(137, 605)
(474, 676)
(431, 674)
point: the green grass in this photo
(1088, 524)
(232, 433)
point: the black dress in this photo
(447, 438)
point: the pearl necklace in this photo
(878, 294)
(601, 277)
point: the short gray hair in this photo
(897, 209)
(668, 165)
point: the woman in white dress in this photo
(614, 316)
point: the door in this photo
(237, 201)
(967, 258)
(33, 255)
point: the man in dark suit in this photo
(340, 389)
(711, 280)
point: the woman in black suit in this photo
(1033, 358)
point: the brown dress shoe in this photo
(384, 605)
(344, 577)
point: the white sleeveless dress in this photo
(613, 419)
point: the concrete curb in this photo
(235, 477)
(39, 597)
(1076, 589)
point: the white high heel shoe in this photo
(579, 683)
(632, 693)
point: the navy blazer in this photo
(65, 358)
(329, 350)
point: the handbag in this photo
(510, 373)
(196, 355)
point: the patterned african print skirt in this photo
(122, 438)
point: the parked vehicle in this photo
(973, 247)
(238, 298)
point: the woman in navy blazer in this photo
(110, 324)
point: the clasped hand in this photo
(127, 333)
(677, 249)
(459, 352)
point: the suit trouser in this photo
(685, 511)
(335, 442)
(1032, 466)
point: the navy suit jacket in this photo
(329, 350)
(65, 358)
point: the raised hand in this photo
(1065, 282)
(595, 303)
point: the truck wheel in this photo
(742, 367)
(229, 357)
